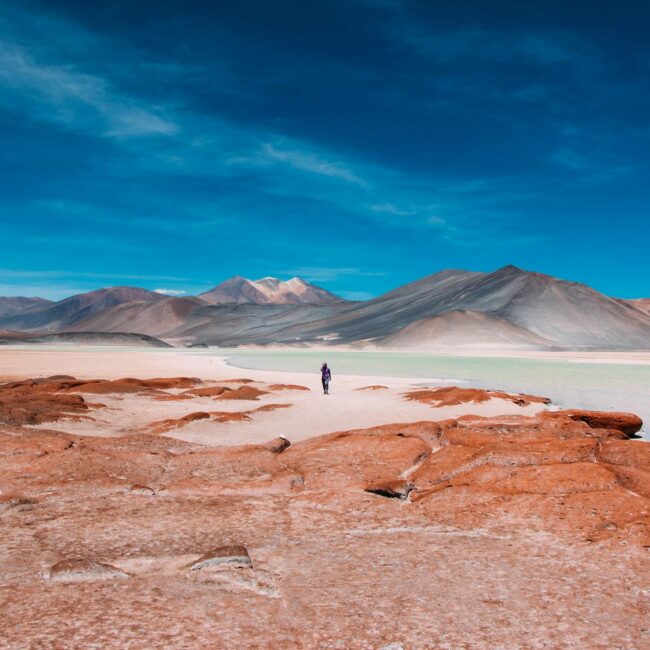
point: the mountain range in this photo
(507, 309)
(56, 316)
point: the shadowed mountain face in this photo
(268, 291)
(192, 320)
(564, 313)
(508, 308)
(16, 304)
(52, 317)
(459, 329)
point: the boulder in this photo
(235, 555)
(76, 570)
(627, 423)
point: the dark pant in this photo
(326, 385)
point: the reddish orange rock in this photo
(230, 416)
(277, 445)
(75, 570)
(627, 423)
(512, 523)
(394, 488)
(243, 392)
(453, 396)
(132, 385)
(223, 555)
(163, 426)
(37, 402)
(208, 391)
(275, 387)
(270, 407)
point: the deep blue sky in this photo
(360, 144)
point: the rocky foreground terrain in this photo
(475, 532)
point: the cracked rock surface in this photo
(505, 532)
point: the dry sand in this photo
(311, 413)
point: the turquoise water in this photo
(570, 384)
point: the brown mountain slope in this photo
(464, 329)
(10, 305)
(642, 304)
(56, 316)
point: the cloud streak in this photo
(309, 162)
(76, 100)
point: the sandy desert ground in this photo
(199, 506)
(310, 413)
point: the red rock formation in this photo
(75, 570)
(394, 488)
(173, 398)
(235, 554)
(208, 391)
(275, 387)
(131, 385)
(34, 402)
(627, 423)
(243, 392)
(453, 395)
(504, 532)
(270, 407)
(169, 424)
(224, 392)
(277, 445)
(374, 387)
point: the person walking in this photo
(326, 377)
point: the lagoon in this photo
(570, 382)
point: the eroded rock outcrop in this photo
(223, 555)
(37, 401)
(627, 423)
(453, 395)
(277, 387)
(75, 570)
(222, 417)
(244, 392)
(490, 530)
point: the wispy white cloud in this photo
(74, 99)
(171, 292)
(310, 162)
(53, 83)
(391, 208)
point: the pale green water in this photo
(571, 384)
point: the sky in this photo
(359, 144)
